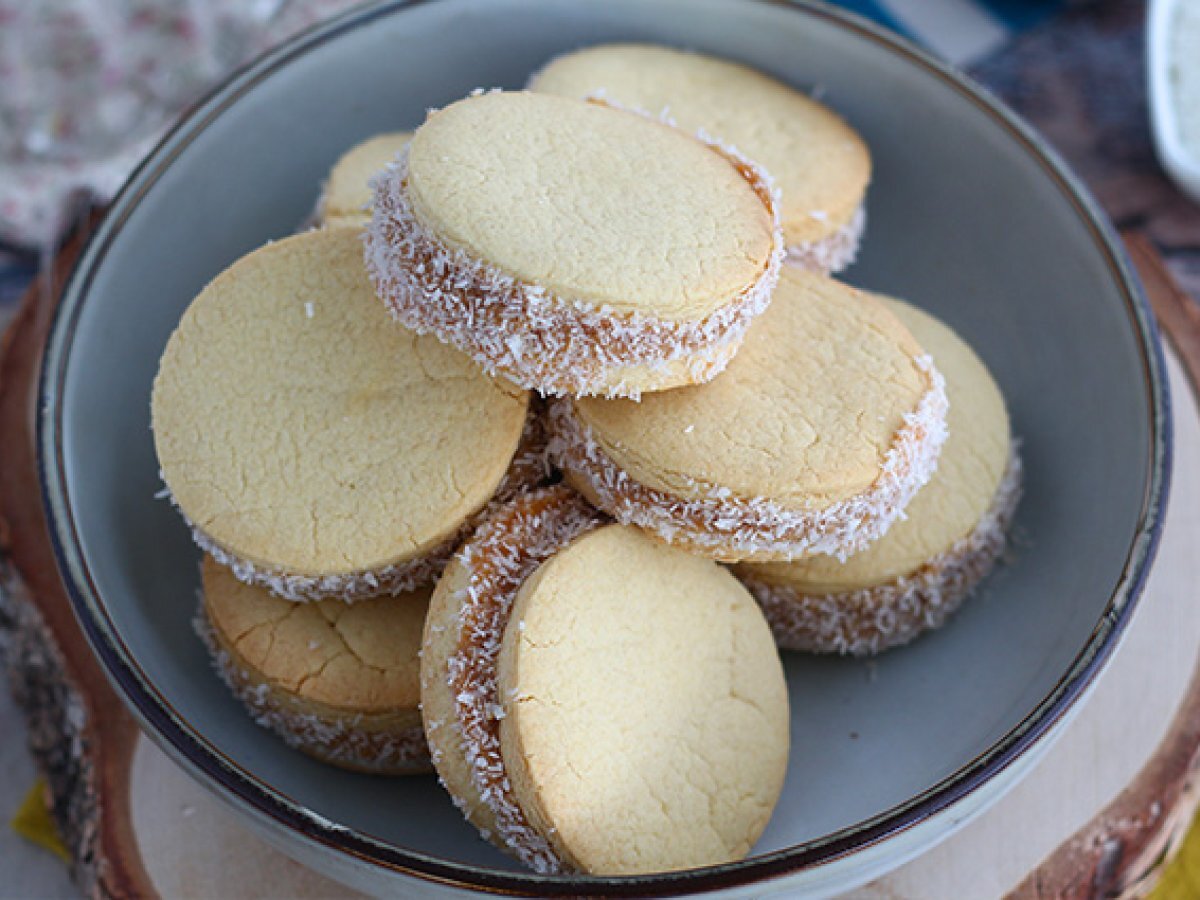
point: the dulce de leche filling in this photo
(504, 551)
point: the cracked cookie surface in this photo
(598, 702)
(970, 469)
(954, 531)
(812, 441)
(339, 681)
(645, 713)
(593, 204)
(819, 163)
(300, 431)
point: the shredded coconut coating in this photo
(530, 335)
(334, 739)
(504, 551)
(730, 528)
(396, 579)
(870, 620)
(833, 252)
(528, 469)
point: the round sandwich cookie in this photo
(338, 681)
(315, 448)
(573, 247)
(819, 163)
(346, 198)
(812, 442)
(597, 702)
(953, 532)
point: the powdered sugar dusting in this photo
(833, 252)
(501, 554)
(528, 469)
(555, 345)
(869, 620)
(337, 740)
(717, 524)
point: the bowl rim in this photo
(179, 739)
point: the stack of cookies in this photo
(525, 462)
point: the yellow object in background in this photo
(33, 822)
(1181, 878)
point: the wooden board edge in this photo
(80, 733)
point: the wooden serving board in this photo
(1098, 816)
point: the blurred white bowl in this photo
(1181, 163)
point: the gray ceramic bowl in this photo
(970, 216)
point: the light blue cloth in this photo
(960, 31)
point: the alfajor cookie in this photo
(812, 442)
(953, 532)
(598, 702)
(819, 163)
(573, 247)
(346, 197)
(338, 681)
(314, 447)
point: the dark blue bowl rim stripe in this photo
(172, 732)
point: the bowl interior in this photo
(963, 220)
